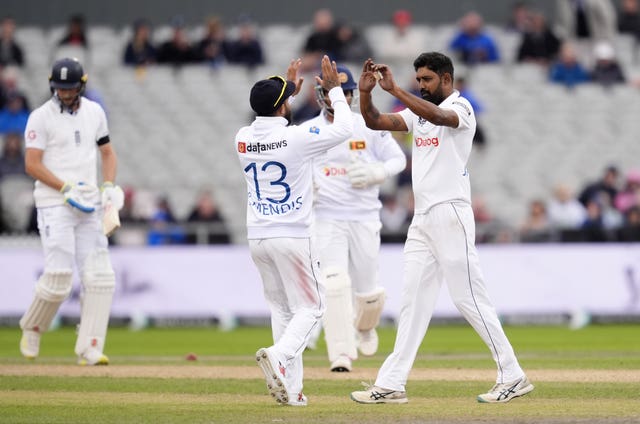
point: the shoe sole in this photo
(102, 361)
(519, 393)
(274, 383)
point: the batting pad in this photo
(52, 289)
(368, 309)
(338, 317)
(99, 284)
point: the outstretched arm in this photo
(373, 118)
(427, 110)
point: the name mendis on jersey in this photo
(244, 147)
(272, 208)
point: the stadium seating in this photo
(173, 128)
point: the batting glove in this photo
(75, 195)
(363, 175)
(112, 194)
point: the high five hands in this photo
(330, 78)
(373, 73)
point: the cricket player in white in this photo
(276, 161)
(63, 138)
(347, 229)
(440, 242)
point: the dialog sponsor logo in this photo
(333, 172)
(426, 141)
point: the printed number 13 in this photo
(278, 182)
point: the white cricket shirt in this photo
(70, 145)
(335, 198)
(440, 155)
(276, 162)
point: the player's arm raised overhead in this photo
(372, 116)
(423, 108)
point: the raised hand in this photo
(330, 74)
(292, 74)
(386, 77)
(368, 77)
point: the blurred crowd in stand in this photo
(578, 47)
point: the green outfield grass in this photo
(53, 389)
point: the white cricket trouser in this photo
(290, 274)
(352, 246)
(69, 235)
(441, 246)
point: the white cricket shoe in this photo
(368, 342)
(374, 394)
(275, 374)
(93, 356)
(342, 364)
(297, 400)
(30, 344)
(504, 392)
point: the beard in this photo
(436, 97)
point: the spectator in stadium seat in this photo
(607, 70)
(206, 211)
(565, 211)
(178, 49)
(519, 17)
(246, 49)
(213, 47)
(592, 228)
(567, 70)
(9, 86)
(75, 34)
(630, 195)
(472, 44)
(323, 39)
(536, 226)
(14, 115)
(403, 43)
(539, 44)
(608, 184)
(353, 46)
(164, 228)
(10, 50)
(629, 18)
(630, 231)
(140, 51)
(12, 159)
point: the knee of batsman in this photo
(54, 285)
(97, 272)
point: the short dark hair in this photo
(436, 62)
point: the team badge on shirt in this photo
(314, 130)
(357, 145)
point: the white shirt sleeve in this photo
(35, 133)
(408, 116)
(322, 138)
(389, 152)
(463, 109)
(103, 128)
